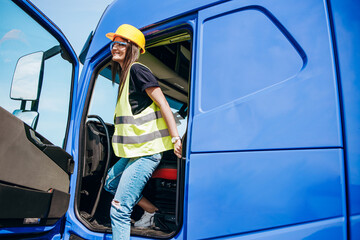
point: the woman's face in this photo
(118, 50)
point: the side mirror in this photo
(26, 82)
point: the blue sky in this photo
(76, 18)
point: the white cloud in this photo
(14, 34)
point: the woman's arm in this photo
(158, 97)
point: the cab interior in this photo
(169, 58)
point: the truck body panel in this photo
(272, 112)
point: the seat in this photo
(167, 168)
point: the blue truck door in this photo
(267, 157)
(35, 169)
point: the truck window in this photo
(103, 99)
(249, 58)
(20, 35)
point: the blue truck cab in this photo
(266, 96)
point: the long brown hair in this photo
(131, 55)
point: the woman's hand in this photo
(178, 148)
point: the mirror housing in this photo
(27, 78)
(86, 47)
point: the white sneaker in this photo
(146, 220)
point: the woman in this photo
(144, 128)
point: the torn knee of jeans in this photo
(115, 203)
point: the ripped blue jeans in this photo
(126, 180)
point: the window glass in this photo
(243, 52)
(104, 97)
(21, 35)
(181, 122)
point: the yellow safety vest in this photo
(138, 135)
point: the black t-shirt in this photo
(141, 78)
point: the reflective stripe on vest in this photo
(138, 135)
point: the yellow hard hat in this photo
(131, 33)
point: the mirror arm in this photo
(52, 52)
(35, 105)
(23, 105)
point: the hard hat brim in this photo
(112, 36)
